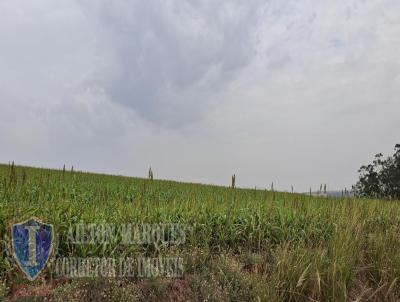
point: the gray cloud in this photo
(169, 57)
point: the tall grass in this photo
(253, 244)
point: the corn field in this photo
(241, 244)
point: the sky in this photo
(295, 92)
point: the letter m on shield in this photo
(32, 244)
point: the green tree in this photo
(381, 178)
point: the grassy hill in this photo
(240, 244)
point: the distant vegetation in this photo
(381, 178)
(241, 244)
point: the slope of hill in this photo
(235, 244)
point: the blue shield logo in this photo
(32, 244)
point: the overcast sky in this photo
(296, 92)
